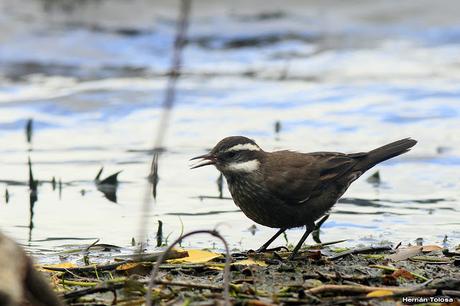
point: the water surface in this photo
(338, 76)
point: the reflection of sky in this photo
(347, 225)
(348, 89)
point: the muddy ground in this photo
(325, 275)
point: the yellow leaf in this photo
(127, 266)
(64, 265)
(381, 292)
(196, 256)
(249, 262)
(216, 266)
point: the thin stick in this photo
(420, 290)
(226, 275)
(366, 289)
(320, 245)
(189, 285)
(147, 258)
(360, 250)
(79, 293)
(168, 103)
(352, 289)
(86, 269)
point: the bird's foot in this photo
(292, 256)
(261, 249)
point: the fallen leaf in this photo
(431, 248)
(196, 256)
(249, 262)
(381, 292)
(216, 266)
(403, 273)
(314, 254)
(127, 266)
(406, 253)
(258, 303)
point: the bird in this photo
(288, 189)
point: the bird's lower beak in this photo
(206, 160)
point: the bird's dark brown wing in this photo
(296, 177)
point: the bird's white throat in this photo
(247, 166)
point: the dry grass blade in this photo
(360, 251)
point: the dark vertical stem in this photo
(60, 188)
(7, 195)
(33, 197)
(29, 130)
(160, 233)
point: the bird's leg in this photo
(318, 224)
(267, 244)
(310, 228)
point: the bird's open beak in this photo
(206, 160)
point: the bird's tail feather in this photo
(386, 152)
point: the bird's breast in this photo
(257, 203)
(244, 191)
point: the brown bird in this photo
(286, 189)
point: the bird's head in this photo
(233, 155)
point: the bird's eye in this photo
(231, 154)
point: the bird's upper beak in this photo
(206, 159)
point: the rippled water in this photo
(341, 76)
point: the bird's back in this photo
(297, 177)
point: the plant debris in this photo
(318, 276)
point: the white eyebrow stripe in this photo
(242, 147)
(247, 166)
